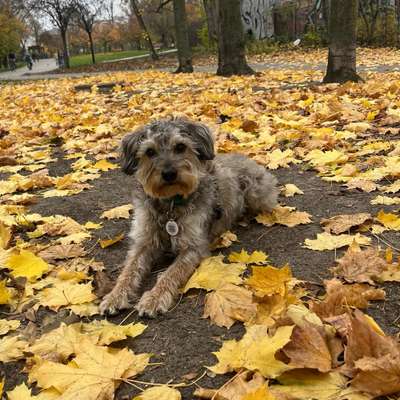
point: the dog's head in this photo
(168, 156)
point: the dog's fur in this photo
(216, 192)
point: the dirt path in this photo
(182, 340)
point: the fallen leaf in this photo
(74, 238)
(290, 190)
(342, 223)
(386, 200)
(104, 243)
(389, 220)
(104, 165)
(5, 294)
(5, 236)
(255, 352)
(94, 373)
(118, 212)
(11, 348)
(159, 393)
(393, 188)
(229, 303)
(364, 185)
(213, 273)
(256, 257)
(360, 265)
(225, 240)
(266, 281)
(27, 265)
(244, 383)
(7, 325)
(62, 252)
(326, 241)
(308, 348)
(284, 216)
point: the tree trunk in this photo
(64, 40)
(141, 23)
(210, 7)
(182, 37)
(231, 42)
(91, 47)
(342, 42)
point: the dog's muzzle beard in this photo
(156, 186)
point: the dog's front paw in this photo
(113, 302)
(153, 302)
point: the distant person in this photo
(12, 61)
(35, 57)
(29, 61)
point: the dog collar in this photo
(177, 200)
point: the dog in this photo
(184, 197)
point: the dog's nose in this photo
(169, 175)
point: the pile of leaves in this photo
(300, 343)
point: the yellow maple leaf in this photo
(159, 393)
(266, 281)
(106, 332)
(92, 225)
(389, 220)
(22, 392)
(326, 241)
(225, 240)
(284, 216)
(7, 325)
(5, 294)
(318, 157)
(104, 165)
(76, 238)
(213, 272)
(118, 212)
(393, 188)
(278, 158)
(85, 309)
(289, 190)
(256, 257)
(66, 293)
(27, 264)
(255, 352)
(94, 373)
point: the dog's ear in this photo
(129, 147)
(203, 138)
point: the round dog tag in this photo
(172, 228)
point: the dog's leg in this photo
(136, 265)
(163, 294)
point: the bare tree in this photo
(342, 41)
(210, 8)
(231, 41)
(182, 37)
(87, 12)
(136, 10)
(60, 13)
(370, 11)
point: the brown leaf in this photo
(360, 265)
(342, 223)
(228, 304)
(244, 383)
(249, 126)
(62, 252)
(364, 341)
(308, 348)
(378, 376)
(340, 297)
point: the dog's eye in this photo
(180, 148)
(150, 152)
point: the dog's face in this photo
(168, 156)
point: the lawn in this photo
(85, 59)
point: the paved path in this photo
(41, 66)
(45, 66)
(160, 53)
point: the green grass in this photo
(86, 59)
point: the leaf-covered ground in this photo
(63, 241)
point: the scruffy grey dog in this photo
(184, 197)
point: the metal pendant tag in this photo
(172, 227)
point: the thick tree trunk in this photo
(91, 47)
(342, 42)
(141, 23)
(231, 42)
(182, 37)
(64, 40)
